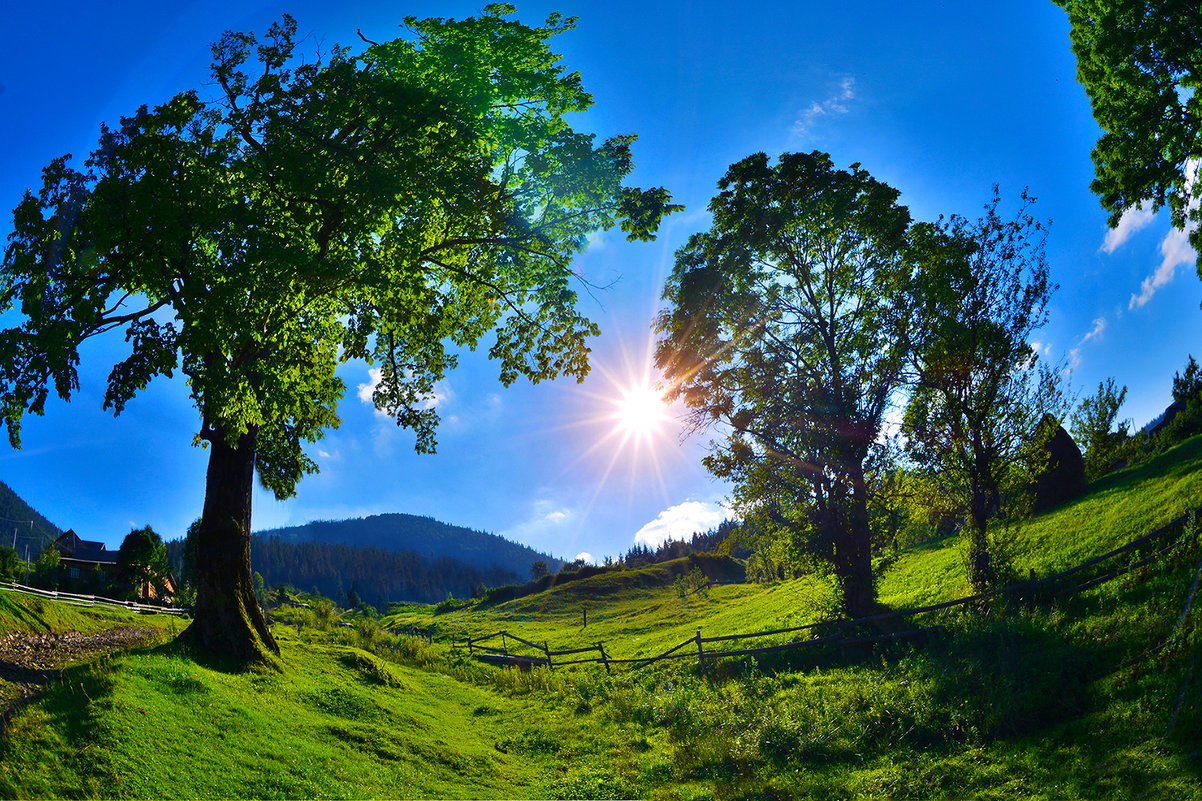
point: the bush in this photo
(11, 565)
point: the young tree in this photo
(1092, 425)
(142, 559)
(1140, 62)
(48, 569)
(786, 331)
(980, 389)
(1187, 386)
(1187, 393)
(11, 564)
(392, 206)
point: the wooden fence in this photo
(844, 633)
(73, 599)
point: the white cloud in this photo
(1074, 355)
(680, 522)
(441, 397)
(1099, 325)
(1176, 252)
(1133, 220)
(586, 557)
(835, 104)
(373, 380)
(545, 522)
(595, 239)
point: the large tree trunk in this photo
(981, 575)
(227, 619)
(853, 552)
(983, 504)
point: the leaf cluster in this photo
(1141, 65)
(395, 205)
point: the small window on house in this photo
(74, 572)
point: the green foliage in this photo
(394, 206)
(142, 559)
(11, 565)
(450, 604)
(694, 582)
(1139, 63)
(48, 573)
(1188, 386)
(321, 210)
(981, 390)
(1006, 702)
(1092, 425)
(1187, 393)
(786, 325)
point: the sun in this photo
(640, 410)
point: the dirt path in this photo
(31, 662)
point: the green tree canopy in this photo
(980, 389)
(394, 206)
(786, 330)
(1141, 65)
(1093, 427)
(142, 559)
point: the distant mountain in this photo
(15, 516)
(401, 533)
(378, 577)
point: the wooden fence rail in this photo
(1032, 588)
(74, 599)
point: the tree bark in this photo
(853, 552)
(227, 620)
(980, 565)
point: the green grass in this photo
(633, 620)
(35, 615)
(337, 722)
(1010, 702)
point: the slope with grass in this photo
(1097, 695)
(636, 613)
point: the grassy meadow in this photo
(1065, 699)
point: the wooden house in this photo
(80, 557)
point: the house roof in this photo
(71, 547)
(97, 555)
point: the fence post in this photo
(547, 651)
(604, 658)
(700, 652)
(469, 646)
(504, 648)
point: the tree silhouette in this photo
(980, 390)
(786, 331)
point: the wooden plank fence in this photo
(848, 632)
(73, 599)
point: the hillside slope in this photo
(1095, 695)
(15, 517)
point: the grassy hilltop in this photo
(1060, 699)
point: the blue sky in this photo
(940, 100)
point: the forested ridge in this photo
(379, 577)
(423, 535)
(15, 515)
